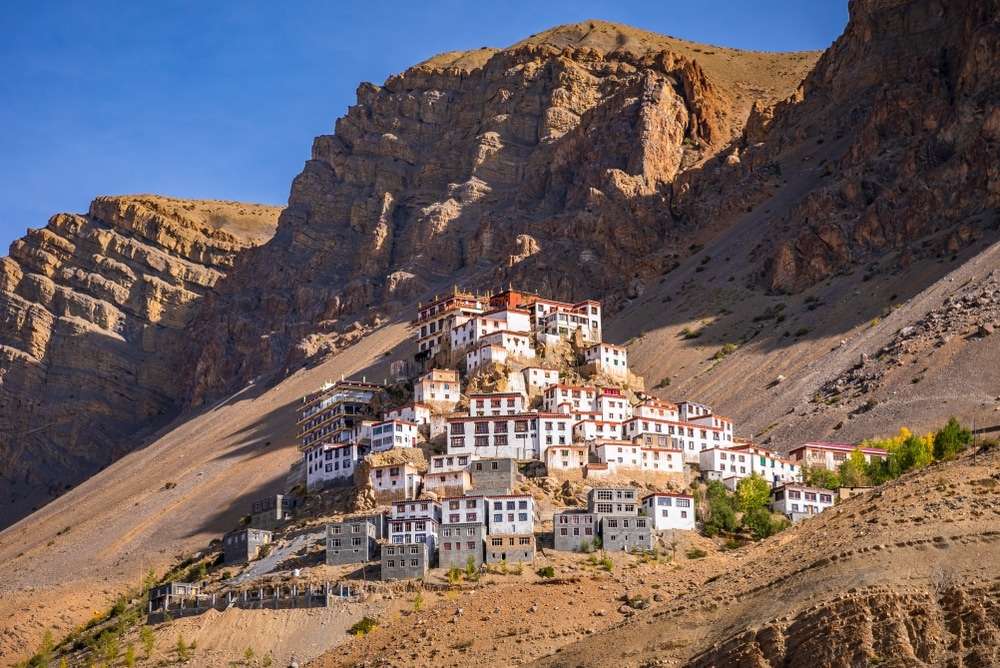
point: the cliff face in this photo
(548, 164)
(900, 120)
(93, 317)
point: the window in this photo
(391, 563)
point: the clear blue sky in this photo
(222, 100)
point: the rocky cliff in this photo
(900, 118)
(548, 164)
(93, 316)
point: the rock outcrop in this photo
(93, 316)
(898, 123)
(548, 164)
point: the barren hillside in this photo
(906, 575)
(895, 574)
(169, 497)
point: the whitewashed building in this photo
(524, 436)
(669, 511)
(574, 397)
(330, 464)
(449, 462)
(537, 378)
(511, 514)
(593, 429)
(411, 412)
(488, 404)
(436, 319)
(469, 333)
(567, 458)
(656, 409)
(438, 388)
(662, 460)
(828, 455)
(738, 462)
(390, 434)
(556, 320)
(689, 437)
(485, 355)
(608, 359)
(464, 510)
(395, 481)
(618, 454)
(613, 405)
(799, 501)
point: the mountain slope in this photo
(905, 575)
(75, 555)
(93, 312)
(550, 158)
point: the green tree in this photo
(914, 453)
(761, 523)
(817, 476)
(854, 470)
(44, 655)
(752, 492)
(148, 640)
(951, 439)
(130, 656)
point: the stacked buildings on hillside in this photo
(600, 424)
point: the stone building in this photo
(512, 548)
(404, 561)
(459, 542)
(493, 475)
(350, 542)
(242, 545)
(573, 529)
(613, 500)
(626, 533)
(271, 512)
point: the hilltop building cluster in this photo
(503, 381)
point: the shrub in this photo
(696, 553)
(664, 382)
(760, 523)
(418, 602)
(951, 439)
(363, 627)
(606, 563)
(688, 333)
(470, 568)
(147, 639)
(454, 575)
(546, 572)
(183, 651)
(725, 350)
(248, 655)
(130, 656)
(585, 546)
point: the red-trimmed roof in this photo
(839, 447)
